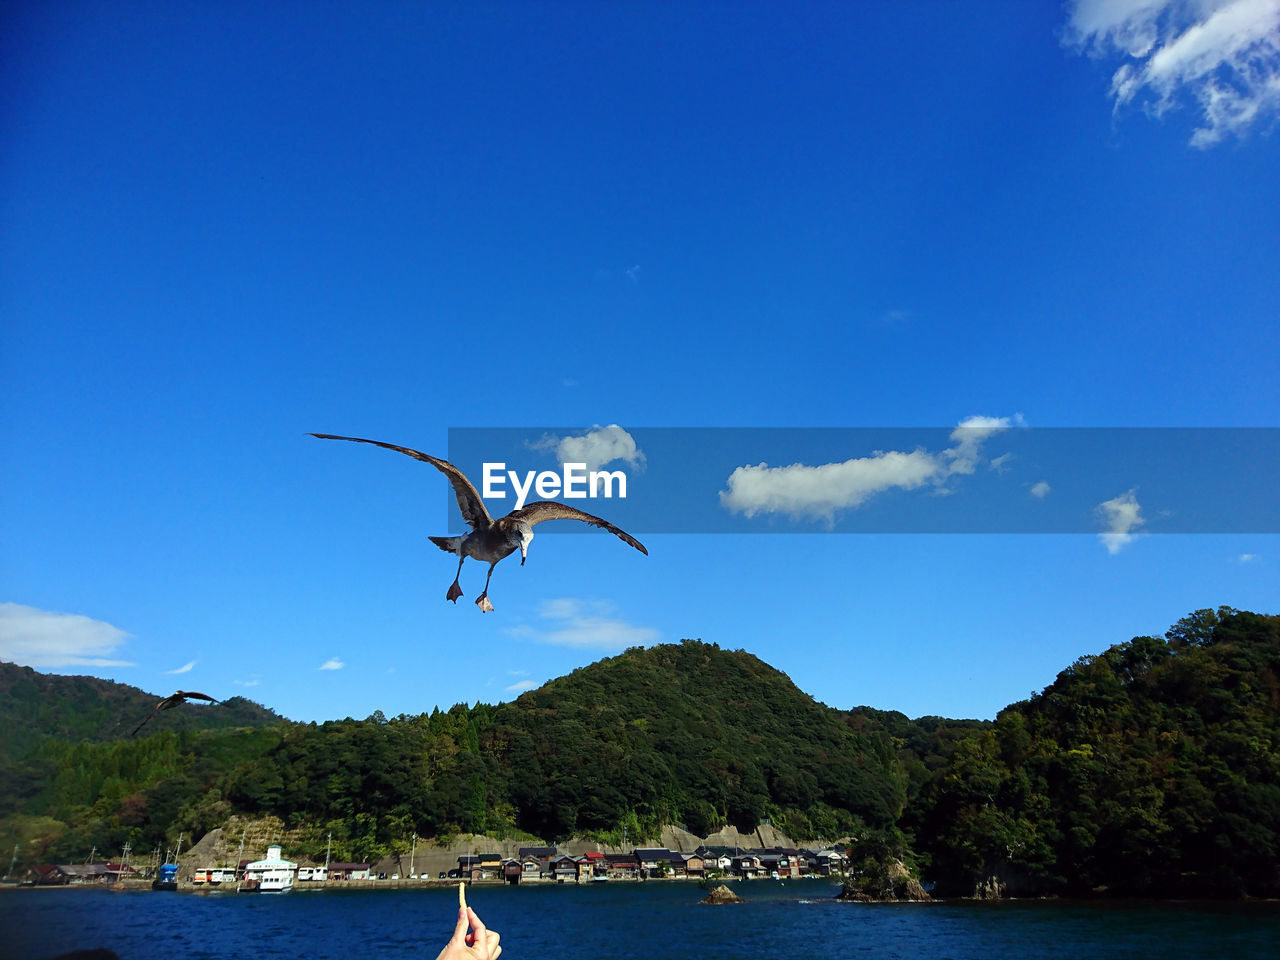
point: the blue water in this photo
(623, 921)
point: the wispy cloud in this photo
(333, 663)
(1040, 490)
(41, 638)
(253, 681)
(570, 622)
(821, 491)
(1224, 55)
(1120, 516)
(520, 686)
(185, 668)
(1247, 557)
(596, 448)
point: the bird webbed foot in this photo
(483, 603)
(454, 593)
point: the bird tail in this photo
(447, 544)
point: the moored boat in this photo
(166, 877)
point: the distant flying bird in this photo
(169, 702)
(490, 540)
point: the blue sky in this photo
(227, 225)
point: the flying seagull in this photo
(168, 703)
(490, 540)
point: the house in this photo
(694, 865)
(531, 868)
(58, 874)
(621, 866)
(716, 858)
(564, 869)
(348, 871)
(538, 852)
(829, 860)
(312, 873)
(775, 865)
(481, 866)
(592, 864)
(655, 861)
(746, 865)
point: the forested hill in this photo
(680, 733)
(37, 705)
(702, 735)
(1150, 769)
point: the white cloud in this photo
(1040, 490)
(521, 686)
(40, 638)
(800, 490)
(1248, 557)
(1120, 516)
(595, 448)
(584, 624)
(1223, 54)
(819, 492)
(253, 681)
(333, 663)
(185, 668)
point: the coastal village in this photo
(527, 865)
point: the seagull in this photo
(490, 540)
(169, 702)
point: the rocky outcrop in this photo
(721, 894)
(991, 888)
(891, 884)
(220, 847)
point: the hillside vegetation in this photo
(1151, 768)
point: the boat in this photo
(166, 877)
(272, 874)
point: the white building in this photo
(273, 873)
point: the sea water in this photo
(624, 921)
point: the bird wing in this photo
(542, 510)
(154, 711)
(469, 501)
(191, 695)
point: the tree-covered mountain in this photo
(44, 716)
(1151, 768)
(685, 733)
(697, 735)
(35, 705)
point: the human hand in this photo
(480, 944)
